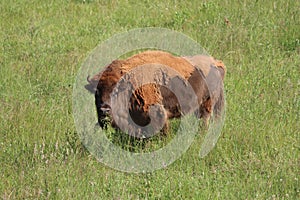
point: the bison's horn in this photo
(88, 79)
(92, 86)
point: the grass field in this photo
(43, 44)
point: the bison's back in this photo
(181, 65)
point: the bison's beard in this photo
(104, 119)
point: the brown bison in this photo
(172, 86)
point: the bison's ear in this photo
(93, 82)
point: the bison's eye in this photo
(97, 93)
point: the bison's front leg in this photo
(159, 119)
(149, 120)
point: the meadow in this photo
(44, 43)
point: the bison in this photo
(156, 102)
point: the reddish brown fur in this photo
(207, 70)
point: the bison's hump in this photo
(159, 57)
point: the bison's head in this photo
(102, 88)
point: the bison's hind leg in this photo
(218, 109)
(206, 110)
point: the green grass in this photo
(43, 44)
